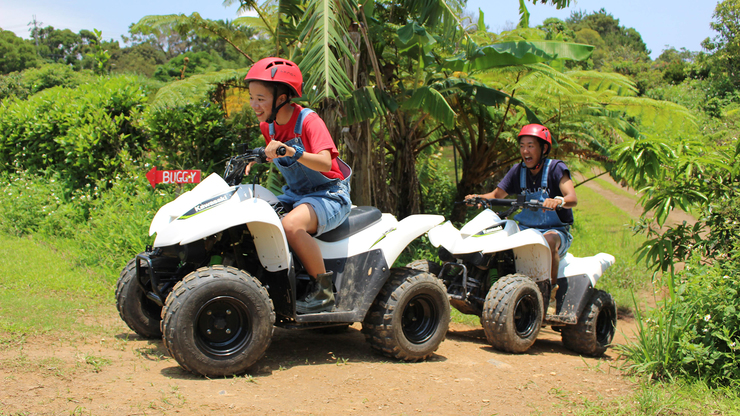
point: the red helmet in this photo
(536, 130)
(277, 70)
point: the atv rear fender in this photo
(395, 240)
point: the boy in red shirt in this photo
(317, 190)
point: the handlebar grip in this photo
(282, 150)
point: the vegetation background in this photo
(425, 103)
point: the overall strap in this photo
(523, 178)
(523, 175)
(545, 172)
(299, 122)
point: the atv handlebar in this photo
(514, 204)
(235, 167)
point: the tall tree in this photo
(16, 54)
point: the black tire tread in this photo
(127, 305)
(177, 297)
(495, 317)
(581, 337)
(378, 324)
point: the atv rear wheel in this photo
(137, 311)
(595, 328)
(218, 321)
(409, 317)
(512, 313)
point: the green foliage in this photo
(192, 136)
(192, 63)
(117, 226)
(39, 204)
(139, 59)
(437, 185)
(16, 54)
(99, 54)
(725, 47)
(79, 132)
(103, 224)
(33, 80)
(195, 89)
(695, 335)
(602, 227)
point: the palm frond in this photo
(603, 81)
(517, 53)
(193, 89)
(430, 101)
(325, 38)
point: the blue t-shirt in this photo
(511, 184)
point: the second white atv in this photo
(500, 273)
(220, 275)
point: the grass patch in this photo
(667, 399)
(41, 291)
(601, 227)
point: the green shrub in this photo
(103, 224)
(193, 136)
(117, 227)
(437, 183)
(80, 133)
(694, 334)
(42, 204)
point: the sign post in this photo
(172, 176)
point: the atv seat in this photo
(359, 219)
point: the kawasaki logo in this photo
(206, 205)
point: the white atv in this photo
(220, 275)
(500, 273)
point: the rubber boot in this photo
(321, 296)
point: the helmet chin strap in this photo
(275, 109)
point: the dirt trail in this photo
(304, 372)
(630, 205)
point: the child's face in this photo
(260, 99)
(529, 148)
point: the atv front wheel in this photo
(137, 311)
(218, 321)
(409, 317)
(595, 328)
(512, 313)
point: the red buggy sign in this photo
(172, 176)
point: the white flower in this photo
(707, 318)
(705, 330)
(732, 345)
(725, 277)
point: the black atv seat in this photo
(359, 219)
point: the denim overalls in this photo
(328, 197)
(542, 220)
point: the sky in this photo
(676, 23)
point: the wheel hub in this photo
(222, 326)
(525, 316)
(419, 321)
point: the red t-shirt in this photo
(315, 137)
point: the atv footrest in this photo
(562, 319)
(339, 316)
